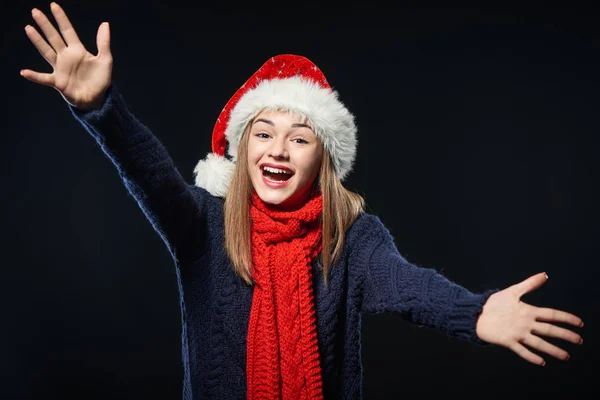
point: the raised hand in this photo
(509, 322)
(81, 77)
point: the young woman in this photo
(275, 259)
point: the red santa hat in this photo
(285, 82)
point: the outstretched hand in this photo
(81, 77)
(507, 321)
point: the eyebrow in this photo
(295, 125)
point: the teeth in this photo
(275, 170)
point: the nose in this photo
(278, 148)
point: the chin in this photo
(272, 196)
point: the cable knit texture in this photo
(370, 277)
(282, 350)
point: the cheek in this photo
(253, 156)
(316, 162)
(312, 165)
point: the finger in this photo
(103, 40)
(64, 24)
(530, 284)
(37, 77)
(51, 33)
(540, 344)
(550, 314)
(550, 330)
(527, 354)
(40, 44)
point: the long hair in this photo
(341, 207)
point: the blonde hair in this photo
(341, 207)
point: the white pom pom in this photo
(214, 174)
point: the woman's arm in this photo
(147, 171)
(495, 317)
(84, 80)
(421, 295)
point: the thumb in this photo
(530, 284)
(103, 40)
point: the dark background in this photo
(477, 148)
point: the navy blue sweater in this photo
(371, 276)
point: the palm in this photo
(498, 322)
(507, 321)
(79, 76)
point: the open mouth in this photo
(276, 174)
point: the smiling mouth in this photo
(276, 175)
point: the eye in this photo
(300, 141)
(262, 135)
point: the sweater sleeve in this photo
(421, 295)
(146, 170)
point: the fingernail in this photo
(543, 363)
(567, 357)
(546, 275)
(581, 324)
(581, 341)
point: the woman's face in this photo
(284, 158)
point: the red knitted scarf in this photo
(282, 349)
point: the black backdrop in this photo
(477, 148)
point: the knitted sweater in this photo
(371, 276)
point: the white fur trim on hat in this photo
(214, 174)
(330, 119)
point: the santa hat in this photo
(284, 82)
